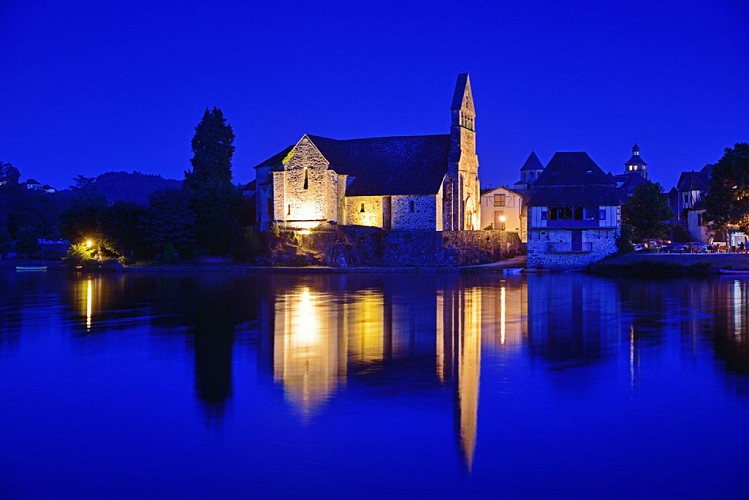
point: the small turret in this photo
(636, 163)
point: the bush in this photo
(79, 255)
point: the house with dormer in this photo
(412, 182)
(574, 214)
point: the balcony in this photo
(567, 247)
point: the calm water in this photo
(215, 386)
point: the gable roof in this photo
(276, 160)
(574, 179)
(692, 181)
(532, 163)
(410, 165)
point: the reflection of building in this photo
(571, 318)
(384, 336)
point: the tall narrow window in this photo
(411, 206)
(306, 178)
(288, 210)
(362, 208)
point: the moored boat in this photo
(31, 268)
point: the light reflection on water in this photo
(518, 365)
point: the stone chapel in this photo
(410, 182)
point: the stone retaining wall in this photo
(366, 246)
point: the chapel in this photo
(408, 182)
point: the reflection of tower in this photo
(460, 325)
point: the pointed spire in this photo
(532, 163)
(463, 96)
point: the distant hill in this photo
(134, 187)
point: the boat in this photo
(744, 272)
(512, 270)
(31, 268)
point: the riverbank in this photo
(666, 265)
(226, 266)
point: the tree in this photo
(9, 174)
(83, 219)
(647, 211)
(213, 148)
(27, 241)
(727, 201)
(213, 198)
(121, 228)
(170, 220)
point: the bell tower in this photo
(461, 210)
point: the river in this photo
(210, 385)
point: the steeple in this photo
(636, 163)
(461, 189)
(463, 112)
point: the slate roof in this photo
(532, 163)
(411, 165)
(636, 160)
(460, 87)
(276, 160)
(692, 181)
(574, 179)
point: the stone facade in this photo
(574, 214)
(552, 249)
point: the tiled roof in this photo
(532, 163)
(692, 181)
(573, 179)
(411, 165)
(636, 160)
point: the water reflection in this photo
(317, 337)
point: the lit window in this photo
(499, 200)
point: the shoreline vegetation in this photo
(656, 265)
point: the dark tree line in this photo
(208, 215)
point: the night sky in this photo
(90, 87)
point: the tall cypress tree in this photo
(213, 198)
(213, 148)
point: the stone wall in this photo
(364, 211)
(551, 249)
(367, 246)
(423, 215)
(305, 190)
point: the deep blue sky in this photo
(89, 87)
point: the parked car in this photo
(675, 248)
(638, 247)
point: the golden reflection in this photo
(306, 354)
(89, 296)
(502, 308)
(469, 371)
(365, 324)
